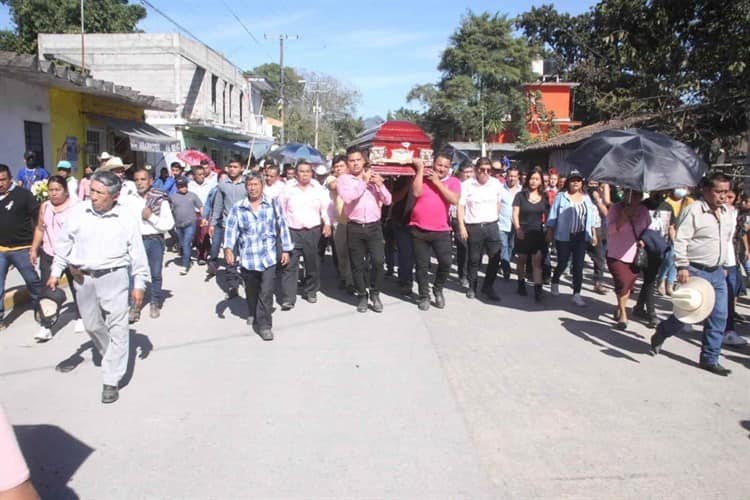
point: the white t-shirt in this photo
(480, 201)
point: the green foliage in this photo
(483, 68)
(31, 17)
(685, 62)
(293, 89)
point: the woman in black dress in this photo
(529, 209)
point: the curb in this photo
(20, 295)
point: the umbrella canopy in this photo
(295, 151)
(638, 159)
(194, 157)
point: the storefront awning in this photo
(143, 137)
(259, 147)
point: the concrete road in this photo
(473, 401)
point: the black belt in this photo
(153, 236)
(480, 224)
(701, 267)
(363, 224)
(97, 273)
(305, 228)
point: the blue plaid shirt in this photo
(254, 234)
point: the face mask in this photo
(30, 163)
(680, 192)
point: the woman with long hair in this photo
(52, 215)
(529, 209)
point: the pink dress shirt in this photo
(362, 201)
(621, 244)
(305, 208)
(83, 189)
(53, 219)
(13, 470)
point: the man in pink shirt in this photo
(364, 193)
(305, 208)
(429, 225)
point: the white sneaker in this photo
(43, 335)
(555, 289)
(79, 328)
(732, 339)
(578, 300)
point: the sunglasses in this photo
(485, 170)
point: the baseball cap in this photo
(64, 165)
(575, 174)
(181, 181)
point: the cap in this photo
(575, 174)
(181, 181)
(321, 170)
(48, 310)
(64, 165)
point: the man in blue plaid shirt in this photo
(255, 227)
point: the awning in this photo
(143, 137)
(259, 147)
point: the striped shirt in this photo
(254, 234)
(579, 219)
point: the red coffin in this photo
(393, 146)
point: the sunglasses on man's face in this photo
(485, 170)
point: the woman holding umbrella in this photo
(626, 221)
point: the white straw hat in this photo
(694, 300)
(114, 163)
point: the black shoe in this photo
(287, 306)
(522, 288)
(439, 299)
(471, 293)
(312, 298)
(424, 304)
(211, 268)
(657, 340)
(537, 293)
(266, 334)
(490, 294)
(362, 304)
(506, 274)
(377, 305)
(648, 319)
(715, 368)
(110, 394)
(232, 293)
(405, 288)
(622, 325)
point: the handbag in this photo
(641, 255)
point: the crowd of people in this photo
(267, 229)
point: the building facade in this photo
(218, 108)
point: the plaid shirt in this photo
(255, 234)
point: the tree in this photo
(293, 89)
(483, 68)
(685, 63)
(31, 17)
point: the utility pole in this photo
(282, 38)
(83, 47)
(317, 88)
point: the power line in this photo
(179, 26)
(241, 23)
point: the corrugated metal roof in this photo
(578, 135)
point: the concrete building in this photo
(218, 109)
(61, 114)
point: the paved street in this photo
(473, 401)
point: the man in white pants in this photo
(101, 242)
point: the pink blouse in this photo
(621, 243)
(83, 189)
(53, 219)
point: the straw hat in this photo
(114, 163)
(104, 156)
(694, 300)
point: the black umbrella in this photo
(637, 159)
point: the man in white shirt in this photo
(508, 192)
(202, 186)
(478, 209)
(151, 207)
(115, 165)
(273, 183)
(103, 248)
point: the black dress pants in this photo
(306, 245)
(366, 240)
(425, 242)
(259, 295)
(483, 237)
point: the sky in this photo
(380, 47)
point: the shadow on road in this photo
(53, 456)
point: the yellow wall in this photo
(68, 119)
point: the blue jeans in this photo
(19, 259)
(217, 241)
(575, 248)
(186, 235)
(507, 242)
(715, 324)
(155, 254)
(667, 271)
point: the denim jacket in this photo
(561, 216)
